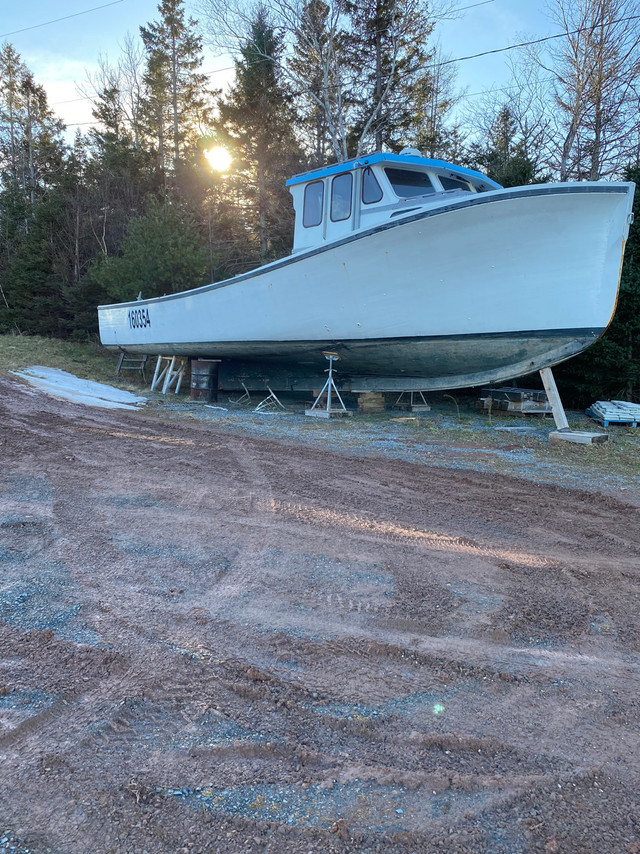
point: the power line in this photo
(206, 73)
(442, 63)
(473, 6)
(533, 41)
(65, 18)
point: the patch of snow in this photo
(69, 387)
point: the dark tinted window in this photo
(341, 197)
(312, 212)
(407, 183)
(371, 190)
(454, 183)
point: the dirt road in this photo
(216, 642)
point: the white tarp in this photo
(62, 384)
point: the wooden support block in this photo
(371, 401)
(328, 413)
(580, 437)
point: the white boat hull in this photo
(489, 287)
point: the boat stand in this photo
(171, 373)
(564, 433)
(244, 398)
(328, 411)
(270, 400)
(417, 402)
(131, 362)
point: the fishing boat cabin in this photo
(333, 202)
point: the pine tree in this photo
(12, 72)
(314, 72)
(388, 59)
(162, 253)
(31, 147)
(32, 165)
(34, 272)
(610, 369)
(504, 158)
(177, 103)
(256, 122)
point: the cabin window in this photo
(407, 182)
(312, 211)
(341, 197)
(455, 184)
(371, 190)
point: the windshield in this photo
(450, 183)
(407, 182)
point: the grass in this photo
(89, 361)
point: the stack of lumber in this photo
(371, 401)
(615, 412)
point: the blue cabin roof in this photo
(384, 157)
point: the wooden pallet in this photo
(608, 412)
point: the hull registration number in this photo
(138, 318)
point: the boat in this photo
(417, 273)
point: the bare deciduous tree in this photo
(596, 71)
(122, 84)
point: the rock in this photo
(340, 828)
(256, 675)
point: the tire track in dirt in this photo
(393, 532)
(304, 639)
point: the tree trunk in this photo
(174, 102)
(262, 207)
(378, 89)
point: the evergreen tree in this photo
(313, 70)
(162, 253)
(610, 369)
(177, 104)
(504, 158)
(119, 174)
(33, 274)
(31, 147)
(12, 73)
(256, 122)
(389, 63)
(32, 166)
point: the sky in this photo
(61, 54)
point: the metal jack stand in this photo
(417, 402)
(329, 386)
(564, 432)
(270, 400)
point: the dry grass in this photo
(89, 360)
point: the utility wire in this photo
(65, 18)
(534, 41)
(473, 6)
(206, 73)
(462, 58)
